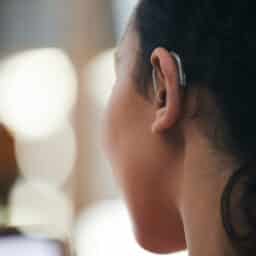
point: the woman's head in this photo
(170, 147)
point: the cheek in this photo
(129, 143)
(137, 156)
(124, 129)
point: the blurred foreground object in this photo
(38, 90)
(8, 166)
(15, 243)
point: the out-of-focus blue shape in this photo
(24, 246)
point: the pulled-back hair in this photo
(217, 43)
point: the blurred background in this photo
(56, 73)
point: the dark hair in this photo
(217, 44)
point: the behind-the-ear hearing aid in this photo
(182, 75)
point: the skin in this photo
(172, 187)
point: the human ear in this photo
(167, 90)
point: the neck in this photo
(204, 181)
(203, 227)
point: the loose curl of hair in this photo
(217, 42)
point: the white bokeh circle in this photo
(100, 76)
(38, 89)
(51, 159)
(42, 207)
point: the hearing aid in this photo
(182, 75)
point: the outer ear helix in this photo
(182, 75)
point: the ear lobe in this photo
(166, 117)
(159, 121)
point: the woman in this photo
(180, 130)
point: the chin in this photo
(161, 243)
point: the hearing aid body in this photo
(182, 75)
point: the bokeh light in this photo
(105, 229)
(100, 75)
(49, 160)
(122, 12)
(37, 92)
(37, 204)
